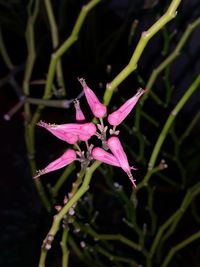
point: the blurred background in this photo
(104, 47)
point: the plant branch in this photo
(111, 237)
(193, 87)
(175, 217)
(65, 251)
(179, 246)
(4, 52)
(57, 218)
(59, 52)
(145, 37)
(55, 42)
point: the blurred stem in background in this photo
(4, 53)
(29, 133)
(193, 87)
(55, 42)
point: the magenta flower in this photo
(120, 114)
(71, 132)
(98, 109)
(68, 157)
(116, 148)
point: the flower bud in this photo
(98, 109)
(116, 148)
(120, 114)
(68, 157)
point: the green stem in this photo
(55, 41)
(115, 259)
(59, 52)
(179, 246)
(65, 251)
(161, 67)
(75, 248)
(4, 53)
(173, 55)
(191, 125)
(73, 200)
(146, 36)
(110, 237)
(30, 42)
(132, 31)
(48, 103)
(190, 195)
(175, 218)
(193, 87)
(62, 179)
(166, 41)
(151, 209)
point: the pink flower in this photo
(71, 132)
(79, 114)
(99, 110)
(104, 156)
(68, 157)
(120, 114)
(116, 148)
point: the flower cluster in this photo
(83, 131)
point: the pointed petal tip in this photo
(82, 81)
(38, 174)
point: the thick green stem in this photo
(146, 36)
(173, 55)
(161, 67)
(57, 218)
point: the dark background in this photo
(103, 40)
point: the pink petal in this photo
(65, 132)
(99, 110)
(120, 114)
(115, 146)
(70, 132)
(102, 155)
(84, 137)
(70, 138)
(68, 157)
(88, 128)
